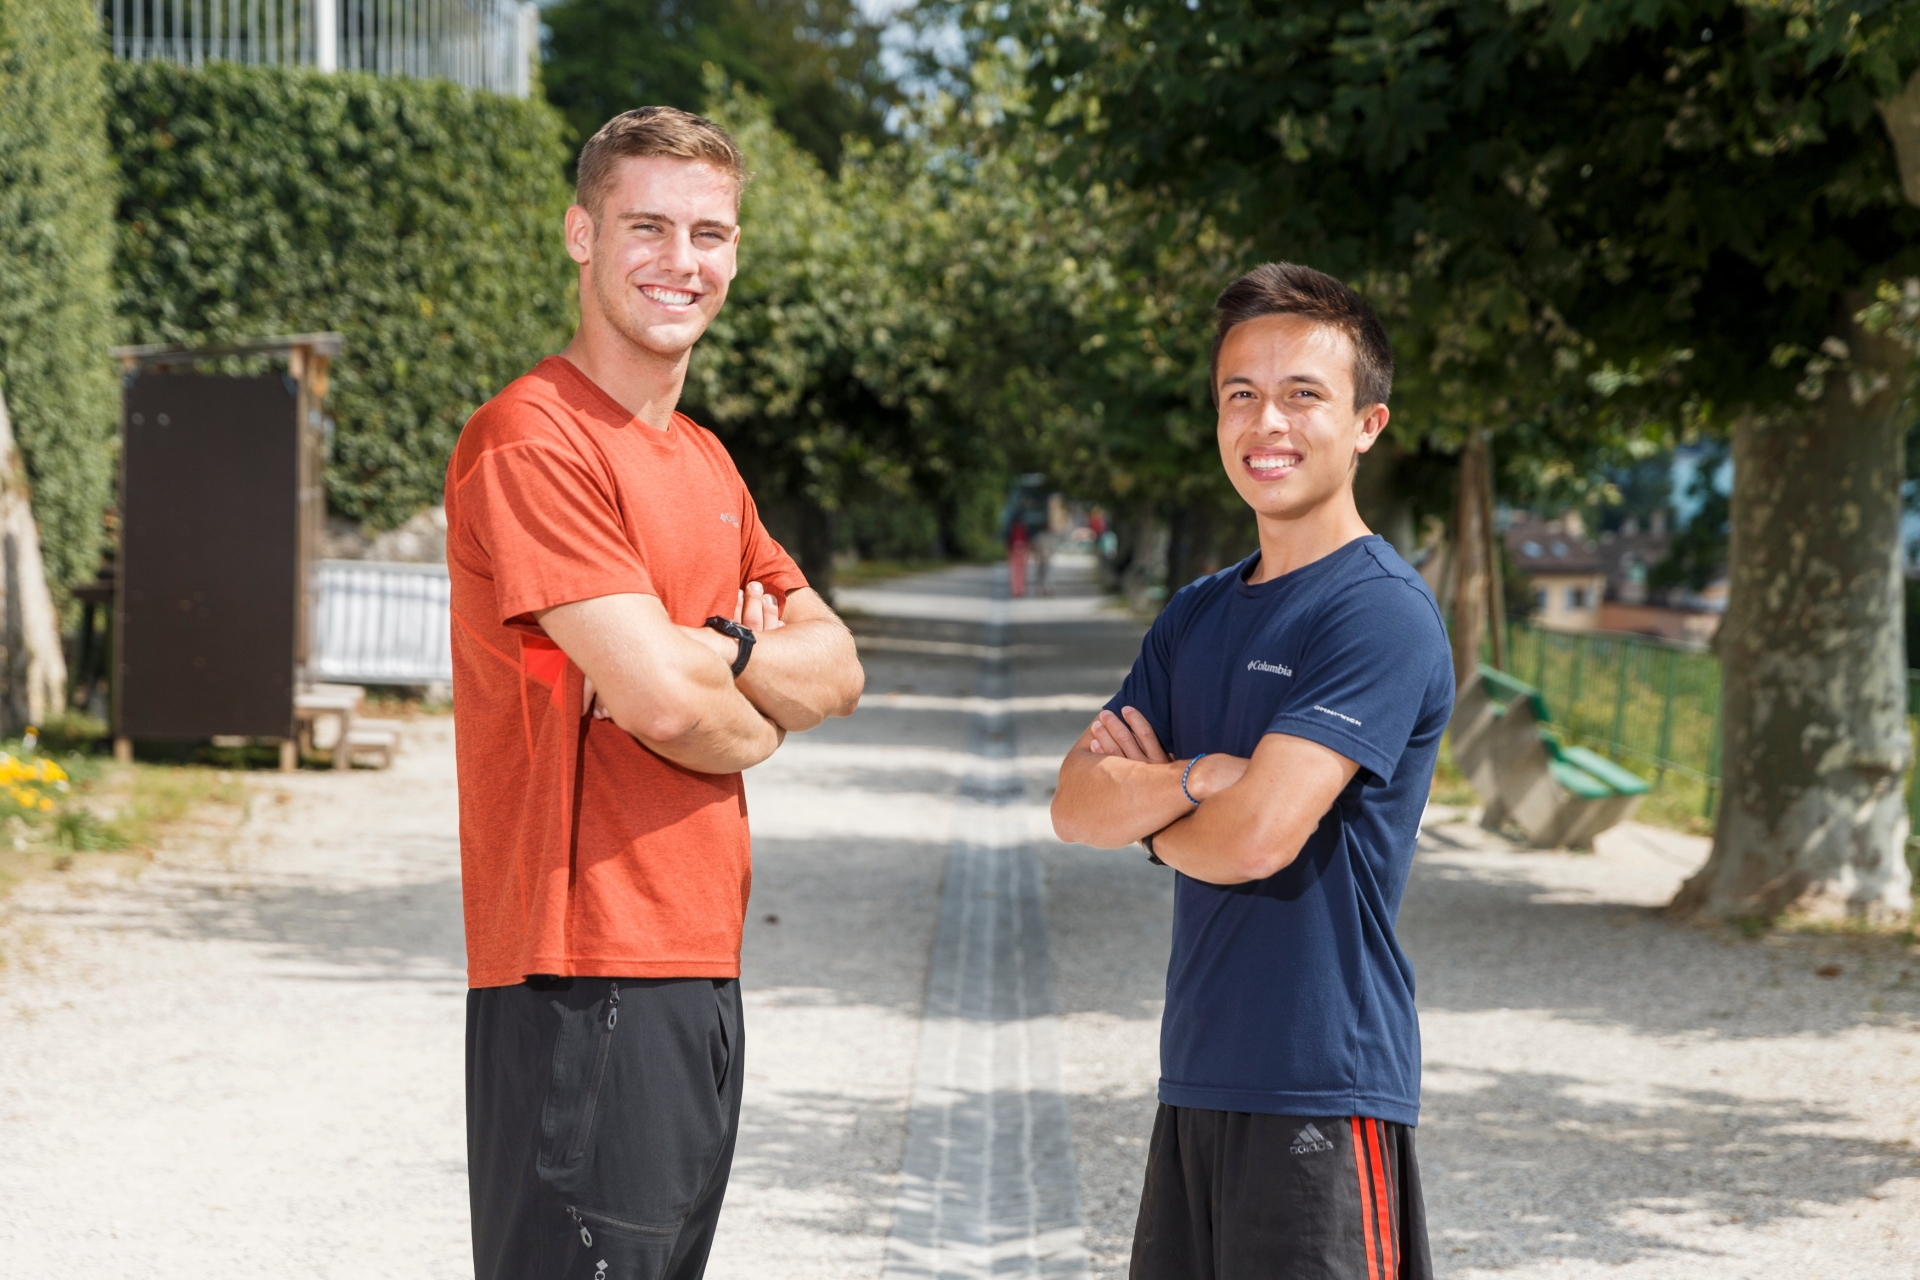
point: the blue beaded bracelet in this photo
(1183, 777)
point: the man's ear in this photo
(579, 235)
(1371, 427)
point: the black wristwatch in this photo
(728, 627)
(1146, 842)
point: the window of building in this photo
(1539, 599)
(1576, 597)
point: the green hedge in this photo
(420, 219)
(56, 284)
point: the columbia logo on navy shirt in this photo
(1274, 667)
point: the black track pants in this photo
(601, 1116)
(1233, 1195)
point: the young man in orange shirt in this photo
(603, 549)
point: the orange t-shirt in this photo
(582, 852)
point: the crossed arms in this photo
(1117, 784)
(672, 687)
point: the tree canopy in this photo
(815, 62)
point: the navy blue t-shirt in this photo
(1291, 995)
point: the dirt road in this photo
(246, 1060)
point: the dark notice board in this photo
(209, 556)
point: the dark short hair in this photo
(1289, 289)
(653, 131)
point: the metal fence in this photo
(1652, 706)
(482, 44)
(383, 623)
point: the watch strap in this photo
(728, 627)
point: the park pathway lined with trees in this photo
(246, 1060)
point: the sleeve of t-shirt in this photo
(762, 559)
(1148, 687)
(549, 529)
(1363, 676)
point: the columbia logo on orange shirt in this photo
(727, 517)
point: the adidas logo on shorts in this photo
(1309, 1140)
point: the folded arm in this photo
(1117, 785)
(661, 684)
(805, 667)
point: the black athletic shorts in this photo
(1234, 1195)
(601, 1116)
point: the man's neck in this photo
(643, 383)
(1286, 545)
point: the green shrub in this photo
(56, 284)
(420, 219)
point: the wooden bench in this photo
(1505, 743)
(354, 735)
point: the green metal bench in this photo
(1505, 743)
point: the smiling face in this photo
(1289, 432)
(657, 256)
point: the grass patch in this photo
(865, 573)
(1450, 786)
(400, 702)
(63, 800)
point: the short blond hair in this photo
(653, 131)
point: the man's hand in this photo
(1128, 734)
(804, 666)
(1252, 829)
(1118, 783)
(672, 693)
(819, 677)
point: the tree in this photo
(1590, 222)
(57, 323)
(816, 63)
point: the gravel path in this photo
(245, 1061)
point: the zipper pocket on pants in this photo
(587, 1219)
(584, 1132)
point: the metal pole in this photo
(1620, 698)
(326, 35)
(1666, 720)
(1573, 686)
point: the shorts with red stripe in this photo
(1236, 1195)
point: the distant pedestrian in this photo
(602, 544)
(1018, 547)
(1274, 745)
(1041, 558)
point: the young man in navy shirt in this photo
(1274, 745)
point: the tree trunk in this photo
(1470, 534)
(1814, 714)
(31, 659)
(1382, 499)
(1192, 532)
(817, 527)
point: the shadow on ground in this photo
(1486, 936)
(1521, 1167)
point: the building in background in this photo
(1565, 571)
(1605, 583)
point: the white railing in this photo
(382, 623)
(482, 44)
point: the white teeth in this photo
(671, 297)
(1272, 464)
